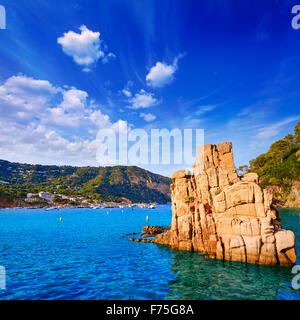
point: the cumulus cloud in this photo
(22, 97)
(74, 100)
(143, 100)
(40, 121)
(162, 74)
(84, 47)
(148, 117)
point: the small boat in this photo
(51, 208)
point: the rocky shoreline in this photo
(225, 216)
(148, 232)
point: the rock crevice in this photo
(226, 216)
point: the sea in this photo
(82, 253)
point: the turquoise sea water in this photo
(84, 257)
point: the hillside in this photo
(97, 183)
(279, 169)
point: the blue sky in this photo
(68, 68)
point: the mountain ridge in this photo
(98, 183)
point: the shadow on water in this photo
(198, 278)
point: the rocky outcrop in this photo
(6, 202)
(293, 199)
(283, 198)
(224, 216)
(148, 232)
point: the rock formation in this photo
(225, 216)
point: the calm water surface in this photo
(85, 257)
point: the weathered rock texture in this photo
(225, 216)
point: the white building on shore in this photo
(46, 196)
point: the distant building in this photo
(62, 196)
(32, 195)
(33, 199)
(46, 196)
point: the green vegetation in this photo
(95, 183)
(280, 166)
(218, 192)
(188, 198)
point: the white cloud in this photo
(127, 93)
(22, 98)
(200, 112)
(108, 57)
(255, 124)
(74, 100)
(162, 74)
(252, 129)
(148, 117)
(84, 48)
(42, 123)
(143, 100)
(127, 89)
(272, 130)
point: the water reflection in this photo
(199, 278)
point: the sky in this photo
(71, 68)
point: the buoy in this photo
(107, 212)
(147, 218)
(60, 219)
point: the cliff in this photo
(286, 198)
(293, 199)
(225, 216)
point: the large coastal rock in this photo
(225, 216)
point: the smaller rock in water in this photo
(147, 232)
(150, 231)
(139, 240)
(128, 234)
